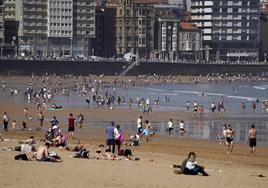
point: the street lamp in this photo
(13, 44)
(71, 48)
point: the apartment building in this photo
(264, 30)
(83, 26)
(33, 27)
(1, 26)
(168, 18)
(230, 28)
(51, 27)
(135, 27)
(189, 38)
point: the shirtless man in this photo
(252, 134)
(42, 153)
(229, 139)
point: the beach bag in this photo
(22, 157)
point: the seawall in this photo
(27, 67)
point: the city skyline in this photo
(228, 30)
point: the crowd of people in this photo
(116, 141)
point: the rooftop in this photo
(151, 1)
(187, 26)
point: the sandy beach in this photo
(238, 169)
(153, 170)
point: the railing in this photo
(130, 66)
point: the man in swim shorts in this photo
(252, 135)
(229, 139)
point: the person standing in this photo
(170, 127)
(110, 137)
(252, 139)
(80, 119)
(229, 139)
(139, 125)
(187, 106)
(254, 106)
(117, 141)
(41, 118)
(182, 128)
(147, 130)
(5, 121)
(71, 125)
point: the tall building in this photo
(55, 27)
(105, 42)
(230, 28)
(135, 27)
(264, 30)
(1, 26)
(33, 27)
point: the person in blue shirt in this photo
(110, 137)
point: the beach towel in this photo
(53, 109)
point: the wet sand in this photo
(238, 169)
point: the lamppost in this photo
(15, 45)
(71, 47)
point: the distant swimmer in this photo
(252, 139)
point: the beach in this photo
(153, 170)
(237, 169)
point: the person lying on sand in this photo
(189, 166)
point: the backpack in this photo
(22, 157)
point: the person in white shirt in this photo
(117, 134)
(139, 125)
(5, 121)
(182, 129)
(189, 166)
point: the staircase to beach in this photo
(129, 67)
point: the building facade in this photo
(230, 28)
(1, 27)
(189, 42)
(264, 30)
(54, 28)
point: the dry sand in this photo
(153, 170)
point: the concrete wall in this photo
(114, 68)
(60, 67)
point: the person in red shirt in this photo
(71, 125)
